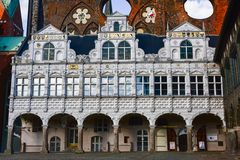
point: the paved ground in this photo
(123, 156)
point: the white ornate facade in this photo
(117, 97)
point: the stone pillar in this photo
(80, 139)
(44, 139)
(189, 138)
(115, 132)
(152, 139)
(9, 140)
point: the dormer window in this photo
(108, 51)
(48, 52)
(186, 50)
(124, 51)
(116, 27)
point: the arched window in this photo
(116, 27)
(124, 51)
(108, 51)
(48, 52)
(186, 50)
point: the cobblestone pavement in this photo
(123, 156)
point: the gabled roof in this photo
(8, 44)
(49, 29)
(186, 26)
(117, 14)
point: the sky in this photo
(199, 9)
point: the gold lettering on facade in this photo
(73, 67)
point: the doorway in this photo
(182, 140)
(171, 136)
(96, 144)
(55, 144)
(161, 140)
(142, 140)
(201, 139)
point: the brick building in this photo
(228, 57)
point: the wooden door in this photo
(201, 139)
(161, 140)
(171, 136)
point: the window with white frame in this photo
(125, 86)
(72, 86)
(124, 51)
(73, 136)
(38, 86)
(178, 85)
(116, 27)
(186, 50)
(160, 85)
(215, 85)
(48, 52)
(107, 86)
(108, 51)
(90, 84)
(196, 83)
(22, 87)
(142, 85)
(55, 86)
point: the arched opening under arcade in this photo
(208, 133)
(62, 133)
(98, 133)
(133, 133)
(171, 133)
(27, 134)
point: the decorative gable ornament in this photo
(81, 16)
(149, 15)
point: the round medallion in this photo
(81, 16)
(149, 15)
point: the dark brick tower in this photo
(61, 14)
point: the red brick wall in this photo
(59, 13)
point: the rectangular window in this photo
(73, 136)
(90, 84)
(178, 85)
(100, 125)
(160, 85)
(124, 86)
(72, 86)
(215, 85)
(107, 86)
(196, 83)
(142, 85)
(38, 86)
(22, 87)
(55, 86)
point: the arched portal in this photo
(62, 133)
(134, 133)
(170, 133)
(208, 133)
(27, 134)
(98, 133)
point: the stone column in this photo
(80, 139)
(9, 140)
(189, 138)
(44, 139)
(152, 139)
(115, 132)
